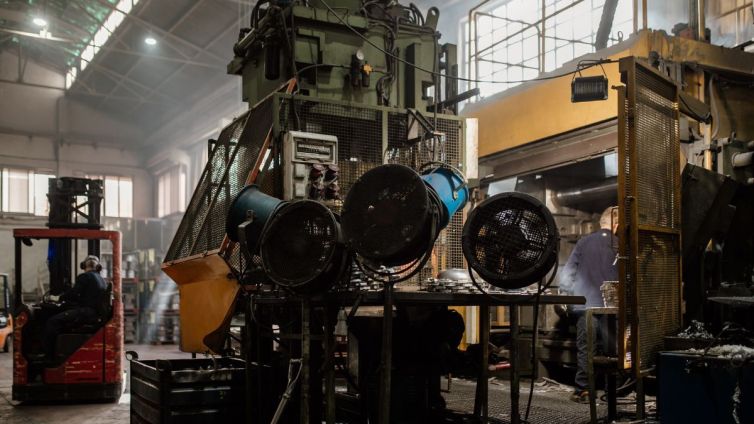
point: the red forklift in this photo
(6, 318)
(88, 358)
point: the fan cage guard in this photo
(386, 216)
(302, 247)
(510, 240)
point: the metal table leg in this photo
(329, 367)
(387, 354)
(515, 415)
(612, 401)
(589, 318)
(640, 401)
(481, 401)
(305, 360)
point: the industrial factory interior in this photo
(376, 211)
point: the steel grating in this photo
(202, 228)
(650, 215)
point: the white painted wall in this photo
(181, 140)
(42, 129)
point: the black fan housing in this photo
(386, 215)
(302, 247)
(510, 240)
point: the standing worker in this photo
(592, 262)
(82, 304)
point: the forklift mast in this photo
(74, 203)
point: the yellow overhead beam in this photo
(542, 109)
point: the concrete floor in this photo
(16, 413)
(550, 403)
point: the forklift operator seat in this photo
(71, 339)
(104, 312)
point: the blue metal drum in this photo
(252, 204)
(450, 188)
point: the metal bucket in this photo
(609, 291)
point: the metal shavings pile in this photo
(695, 331)
(732, 351)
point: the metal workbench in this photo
(391, 297)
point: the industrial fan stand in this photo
(387, 351)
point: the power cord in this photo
(537, 301)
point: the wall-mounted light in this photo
(40, 22)
(150, 41)
(589, 89)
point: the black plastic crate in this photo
(187, 391)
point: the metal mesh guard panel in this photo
(237, 148)
(651, 176)
(659, 302)
(448, 245)
(657, 135)
(359, 132)
(627, 315)
(360, 148)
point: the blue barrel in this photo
(250, 203)
(450, 188)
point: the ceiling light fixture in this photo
(150, 41)
(41, 22)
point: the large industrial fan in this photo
(302, 247)
(392, 216)
(298, 244)
(510, 240)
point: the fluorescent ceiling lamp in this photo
(39, 22)
(99, 38)
(150, 41)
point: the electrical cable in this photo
(540, 291)
(536, 296)
(417, 264)
(713, 107)
(457, 78)
(288, 390)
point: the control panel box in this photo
(310, 166)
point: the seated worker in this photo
(591, 263)
(82, 304)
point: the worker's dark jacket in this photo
(83, 306)
(87, 291)
(592, 262)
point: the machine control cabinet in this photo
(310, 166)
